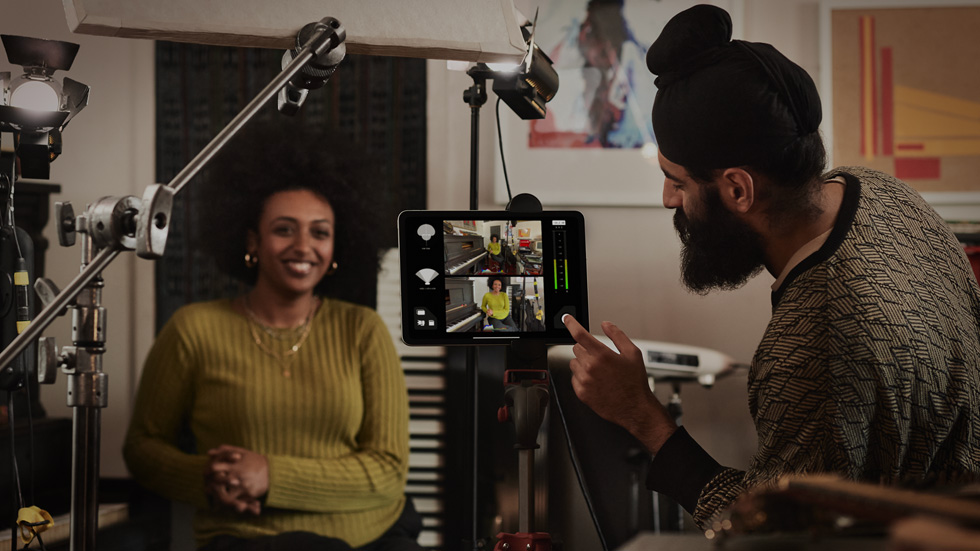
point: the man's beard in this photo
(718, 251)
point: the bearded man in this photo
(870, 365)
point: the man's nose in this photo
(672, 197)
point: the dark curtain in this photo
(378, 102)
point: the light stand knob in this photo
(65, 215)
(47, 292)
(153, 221)
(49, 361)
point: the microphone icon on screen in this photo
(426, 231)
(427, 275)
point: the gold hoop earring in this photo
(251, 260)
(332, 269)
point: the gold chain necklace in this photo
(283, 358)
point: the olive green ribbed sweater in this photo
(335, 431)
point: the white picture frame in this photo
(953, 205)
(574, 176)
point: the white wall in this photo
(108, 151)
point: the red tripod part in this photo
(523, 541)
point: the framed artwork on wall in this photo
(596, 146)
(901, 92)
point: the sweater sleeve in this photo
(692, 478)
(791, 428)
(796, 423)
(163, 402)
(375, 473)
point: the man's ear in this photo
(737, 189)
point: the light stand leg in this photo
(475, 96)
(86, 436)
(88, 392)
(475, 154)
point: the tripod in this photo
(526, 397)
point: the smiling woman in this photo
(295, 397)
(266, 161)
(292, 245)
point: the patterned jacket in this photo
(870, 365)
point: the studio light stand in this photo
(34, 110)
(115, 224)
(526, 89)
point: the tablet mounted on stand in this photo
(451, 259)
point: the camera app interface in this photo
(491, 278)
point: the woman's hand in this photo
(237, 477)
(233, 498)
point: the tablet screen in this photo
(491, 277)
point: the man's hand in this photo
(237, 477)
(615, 385)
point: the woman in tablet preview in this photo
(295, 400)
(494, 248)
(497, 306)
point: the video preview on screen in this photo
(495, 278)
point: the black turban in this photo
(723, 102)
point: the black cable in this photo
(19, 497)
(13, 448)
(21, 265)
(10, 215)
(30, 466)
(23, 315)
(577, 467)
(500, 145)
(20, 253)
